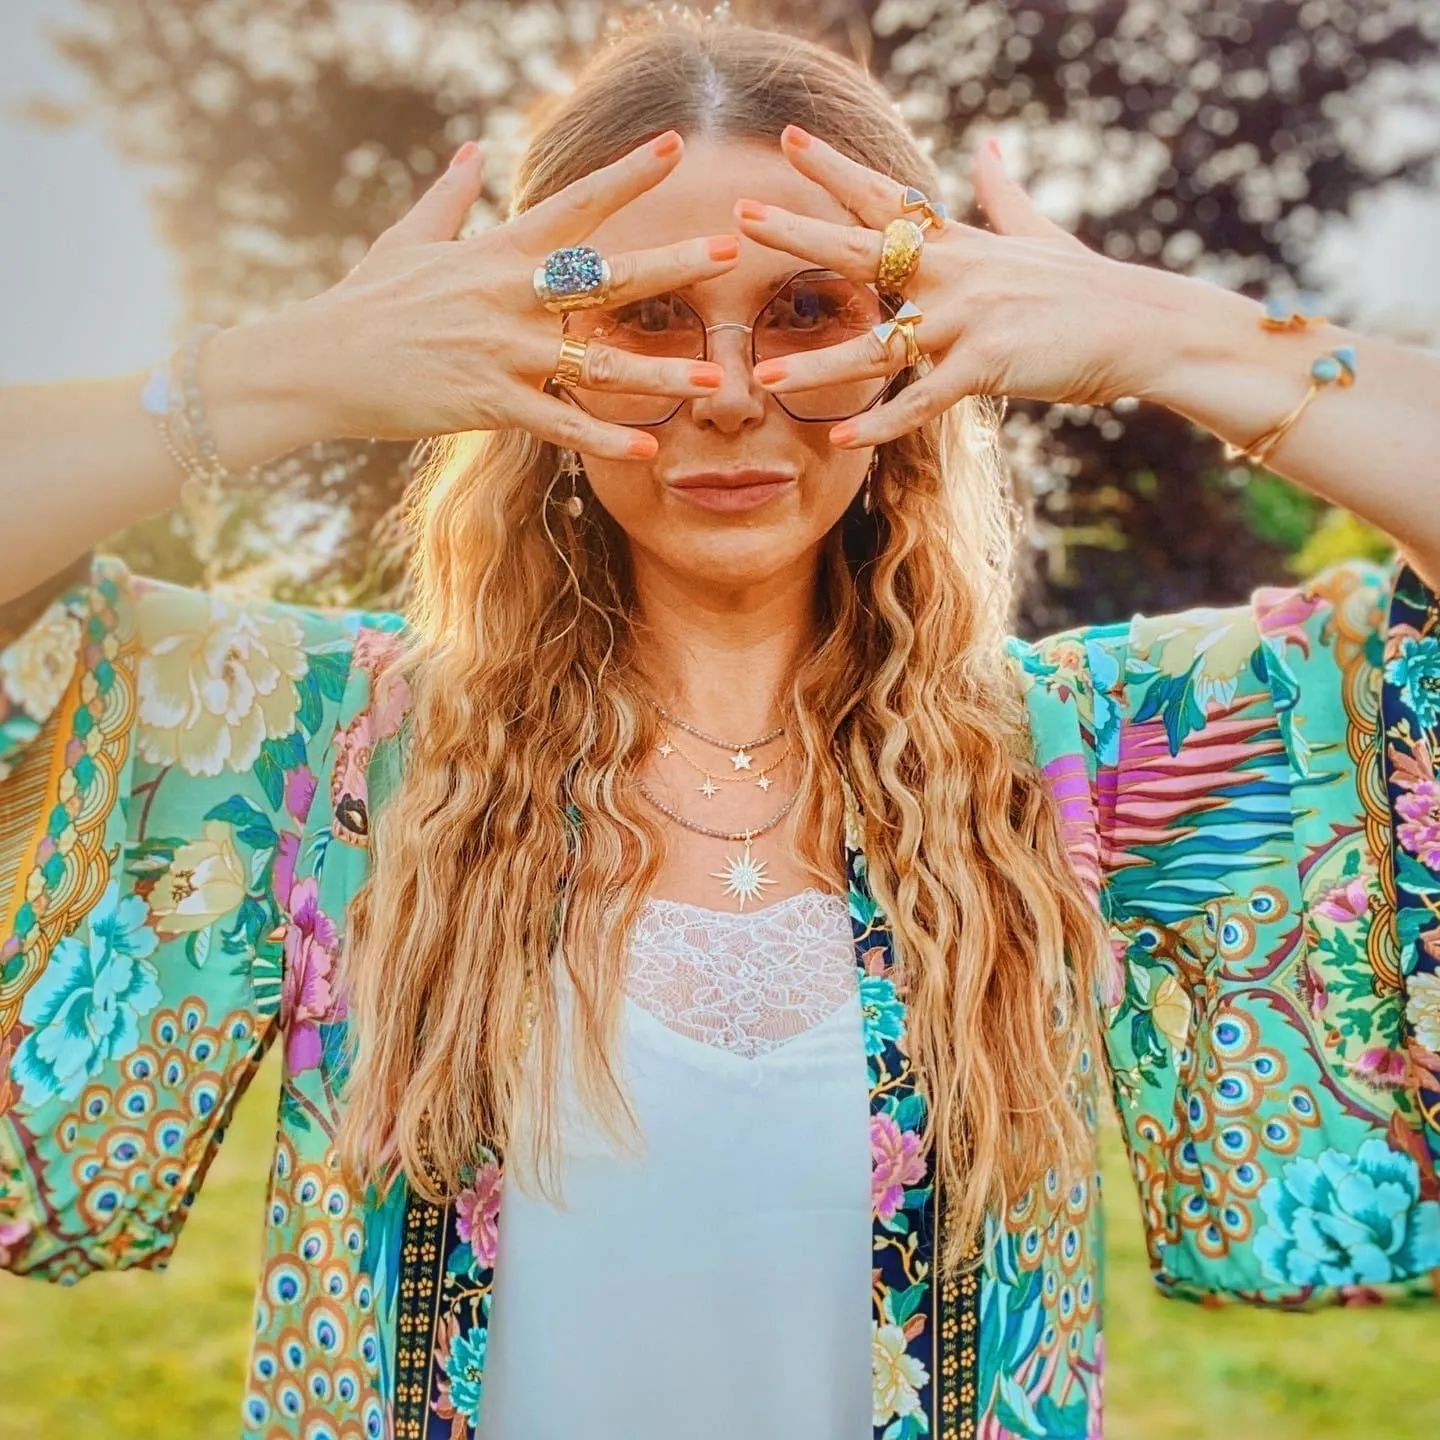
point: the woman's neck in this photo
(721, 658)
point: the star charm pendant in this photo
(740, 760)
(709, 788)
(764, 782)
(665, 748)
(744, 876)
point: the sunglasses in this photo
(810, 311)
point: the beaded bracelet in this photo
(172, 396)
(1337, 367)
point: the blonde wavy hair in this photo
(526, 701)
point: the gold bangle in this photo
(1337, 367)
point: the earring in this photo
(570, 465)
(867, 494)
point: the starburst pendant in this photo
(764, 782)
(744, 876)
(665, 748)
(740, 760)
(709, 788)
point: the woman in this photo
(704, 793)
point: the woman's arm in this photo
(81, 460)
(1373, 448)
(428, 335)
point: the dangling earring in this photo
(867, 494)
(570, 465)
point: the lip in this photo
(730, 489)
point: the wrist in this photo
(260, 393)
(1217, 366)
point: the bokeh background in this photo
(164, 162)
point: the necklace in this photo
(744, 875)
(738, 758)
(709, 789)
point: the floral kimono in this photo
(1250, 793)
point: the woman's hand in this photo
(430, 334)
(1026, 310)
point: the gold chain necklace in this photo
(744, 874)
(712, 782)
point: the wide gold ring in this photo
(570, 367)
(899, 254)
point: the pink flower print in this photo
(1420, 812)
(307, 997)
(1382, 1068)
(895, 1162)
(1344, 903)
(477, 1214)
(13, 1234)
(300, 792)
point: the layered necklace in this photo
(744, 874)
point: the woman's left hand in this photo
(1026, 310)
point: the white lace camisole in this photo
(716, 1285)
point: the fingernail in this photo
(993, 146)
(752, 210)
(666, 144)
(842, 434)
(794, 135)
(723, 247)
(712, 377)
(767, 372)
(463, 154)
(642, 447)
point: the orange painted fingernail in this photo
(751, 210)
(723, 247)
(795, 136)
(666, 144)
(463, 154)
(767, 372)
(712, 377)
(643, 447)
(842, 434)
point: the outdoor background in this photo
(164, 162)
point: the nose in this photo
(740, 400)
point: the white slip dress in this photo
(717, 1284)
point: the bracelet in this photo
(1336, 367)
(172, 396)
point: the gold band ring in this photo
(570, 367)
(899, 254)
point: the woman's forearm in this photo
(1373, 448)
(80, 460)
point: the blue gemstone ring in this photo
(575, 277)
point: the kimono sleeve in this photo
(1269, 845)
(159, 751)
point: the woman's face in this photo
(739, 427)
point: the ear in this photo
(1006, 205)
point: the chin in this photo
(737, 558)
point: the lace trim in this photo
(746, 983)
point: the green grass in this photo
(162, 1357)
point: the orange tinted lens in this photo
(812, 312)
(660, 327)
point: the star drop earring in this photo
(570, 465)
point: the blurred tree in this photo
(1212, 136)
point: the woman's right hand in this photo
(430, 334)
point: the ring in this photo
(899, 254)
(905, 319)
(574, 277)
(570, 367)
(933, 210)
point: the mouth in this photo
(731, 490)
